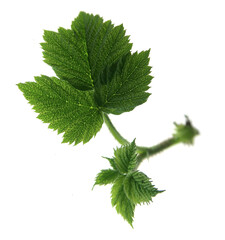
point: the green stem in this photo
(117, 135)
(156, 149)
(184, 133)
(113, 130)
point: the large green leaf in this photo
(67, 109)
(95, 54)
(123, 85)
(79, 55)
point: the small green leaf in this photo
(106, 176)
(67, 109)
(139, 188)
(125, 157)
(112, 163)
(123, 85)
(119, 199)
(130, 187)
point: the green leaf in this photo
(119, 199)
(67, 109)
(139, 188)
(106, 176)
(67, 53)
(125, 157)
(130, 187)
(123, 85)
(92, 56)
(105, 43)
(80, 54)
(112, 163)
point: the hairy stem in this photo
(118, 136)
(156, 149)
(113, 130)
(184, 133)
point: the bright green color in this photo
(66, 108)
(130, 187)
(185, 133)
(97, 74)
(92, 61)
(113, 130)
(123, 86)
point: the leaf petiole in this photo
(113, 130)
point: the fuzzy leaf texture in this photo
(93, 61)
(129, 186)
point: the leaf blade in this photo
(120, 201)
(125, 157)
(139, 188)
(106, 176)
(65, 108)
(127, 84)
(67, 54)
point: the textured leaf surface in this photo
(105, 43)
(67, 53)
(112, 163)
(106, 176)
(139, 188)
(67, 109)
(130, 187)
(119, 199)
(125, 157)
(123, 85)
(80, 54)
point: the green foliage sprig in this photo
(97, 74)
(130, 186)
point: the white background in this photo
(45, 186)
